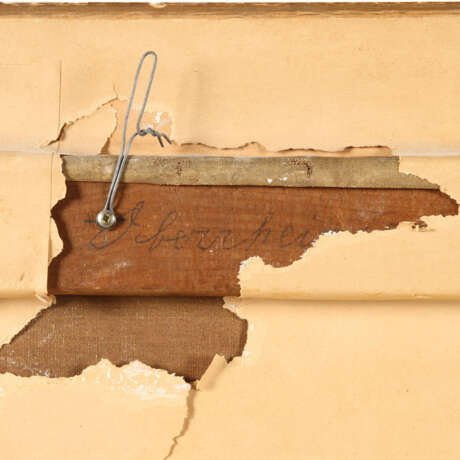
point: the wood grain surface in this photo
(227, 10)
(191, 240)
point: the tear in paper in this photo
(333, 380)
(399, 263)
(30, 185)
(106, 412)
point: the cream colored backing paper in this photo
(335, 380)
(30, 185)
(29, 95)
(107, 412)
(318, 81)
(400, 263)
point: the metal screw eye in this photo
(106, 219)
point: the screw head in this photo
(106, 219)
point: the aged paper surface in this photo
(88, 135)
(107, 412)
(320, 81)
(30, 184)
(399, 263)
(29, 95)
(316, 380)
(15, 314)
(333, 380)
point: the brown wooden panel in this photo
(181, 335)
(190, 240)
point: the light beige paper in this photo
(29, 108)
(285, 81)
(30, 184)
(349, 381)
(107, 412)
(400, 263)
(322, 381)
(15, 314)
(88, 135)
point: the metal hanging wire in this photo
(106, 218)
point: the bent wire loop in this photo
(106, 218)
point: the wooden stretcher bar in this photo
(274, 171)
(190, 240)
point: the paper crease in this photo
(31, 185)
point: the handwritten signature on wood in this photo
(169, 232)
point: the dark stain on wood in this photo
(191, 240)
(181, 335)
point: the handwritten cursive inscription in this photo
(171, 233)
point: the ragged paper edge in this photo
(392, 264)
(134, 393)
(58, 193)
(135, 378)
(88, 133)
(206, 103)
(216, 369)
(219, 369)
(16, 312)
(99, 130)
(296, 388)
